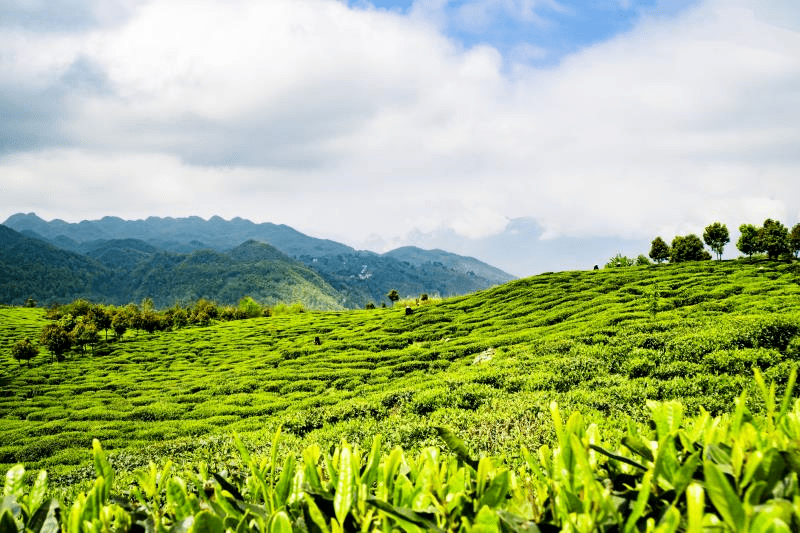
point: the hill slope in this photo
(487, 365)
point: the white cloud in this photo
(352, 123)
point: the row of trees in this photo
(772, 239)
(79, 324)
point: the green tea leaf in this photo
(14, 481)
(370, 473)
(46, 518)
(423, 520)
(178, 499)
(285, 481)
(38, 491)
(723, 496)
(226, 486)
(345, 486)
(456, 446)
(695, 503)
(620, 458)
(7, 522)
(497, 491)
(669, 522)
(315, 514)
(280, 523)
(641, 502)
(638, 446)
(207, 522)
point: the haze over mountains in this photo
(183, 259)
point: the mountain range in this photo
(183, 259)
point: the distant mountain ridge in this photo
(351, 277)
(116, 274)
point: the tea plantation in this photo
(490, 367)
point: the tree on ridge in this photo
(659, 250)
(748, 242)
(716, 237)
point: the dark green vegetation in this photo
(485, 365)
(117, 261)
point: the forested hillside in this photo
(123, 271)
(356, 277)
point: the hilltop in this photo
(346, 278)
(486, 365)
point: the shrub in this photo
(23, 350)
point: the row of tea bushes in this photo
(735, 472)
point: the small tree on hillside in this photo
(250, 307)
(24, 351)
(688, 248)
(716, 237)
(120, 323)
(86, 333)
(659, 250)
(100, 317)
(393, 296)
(748, 240)
(619, 261)
(56, 339)
(774, 238)
(794, 240)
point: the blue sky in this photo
(516, 131)
(554, 28)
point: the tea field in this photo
(487, 366)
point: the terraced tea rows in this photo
(487, 365)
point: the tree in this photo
(393, 296)
(120, 323)
(618, 261)
(250, 307)
(659, 250)
(794, 240)
(774, 239)
(100, 317)
(716, 237)
(56, 339)
(748, 242)
(688, 248)
(86, 333)
(642, 260)
(24, 351)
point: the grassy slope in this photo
(486, 365)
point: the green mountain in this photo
(359, 276)
(251, 269)
(30, 268)
(128, 270)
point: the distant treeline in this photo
(80, 323)
(772, 239)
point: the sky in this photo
(533, 134)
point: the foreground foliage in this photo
(735, 473)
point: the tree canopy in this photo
(659, 250)
(794, 240)
(716, 237)
(688, 248)
(774, 239)
(748, 242)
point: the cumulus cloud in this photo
(348, 122)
